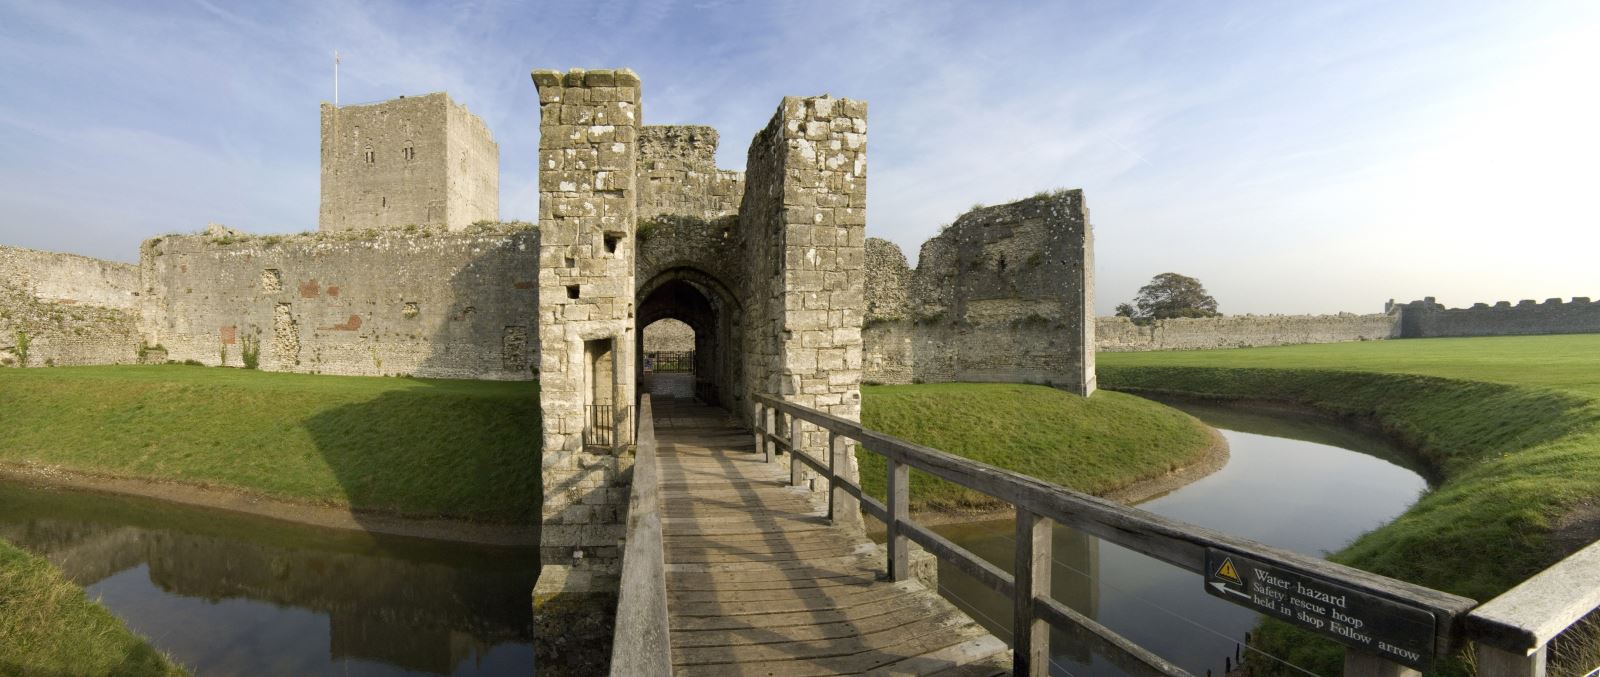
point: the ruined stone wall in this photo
(1427, 318)
(421, 160)
(588, 212)
(668, 336)
(415, 302)
(1003, 294)
(64, 309)
(70, 279)
(1119, 334)
(678, 175)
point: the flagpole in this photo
(336, 78)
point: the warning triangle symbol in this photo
(1228, 571)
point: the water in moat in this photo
(1297, 483)
(228, 594)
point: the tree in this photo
(1169, 295)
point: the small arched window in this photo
(409, 152)
(372, 158)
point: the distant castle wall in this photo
(1004, 294)
(66, 309)
(1119, 334)
(1427, 318)
(419, 302)
(421, 160)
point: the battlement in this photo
(1428, 318)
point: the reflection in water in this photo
(227, 594)
(1285, 485)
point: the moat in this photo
(231, 594)
(227, 594)
(1303, 484)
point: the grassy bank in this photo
(419, 447)
(1512, 425)
(48, 627)
(1096, 445)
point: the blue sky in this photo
(1296, 157)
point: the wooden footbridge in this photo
(732, 567)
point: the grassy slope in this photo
(422, 447)
(48, 627)
(1096, 445)
(1512, 423)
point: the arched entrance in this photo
(701, 301)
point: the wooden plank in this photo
(904, 605)
(811, 632)
(1526, 617)
(1360, 664)
(1030, 634)
(1502, 663)
(642, 641)
(994, 577)
(983, 656)
(1120, 651)
(867, 661)
(769, 645)
(899, 475)
(1177, 543)
(761, 582)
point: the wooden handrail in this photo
(1178, 543)
(1513, 630)
(641, 644)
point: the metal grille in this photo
(607, 426)
(662, 362)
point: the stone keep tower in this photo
(589, 123)
(421, 160)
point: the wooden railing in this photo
(1038, 504)
(641, 644)
(1513, 631)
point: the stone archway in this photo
(703, 302)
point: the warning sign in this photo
(1376, 625)
(1229, 572)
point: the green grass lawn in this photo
(419, 447)
(48, 627)
(1512, 425)
(1096, 444)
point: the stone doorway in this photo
(702, 302)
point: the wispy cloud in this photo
(1295, 157)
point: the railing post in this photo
(1030, 647)
(1493, 661)
(899, 502)
(772, 432)
(794, 451)
(759, 424)
(1361, 664)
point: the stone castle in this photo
(767, 274)
(422, 161)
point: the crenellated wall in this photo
(1428, 318)
(423, 302)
